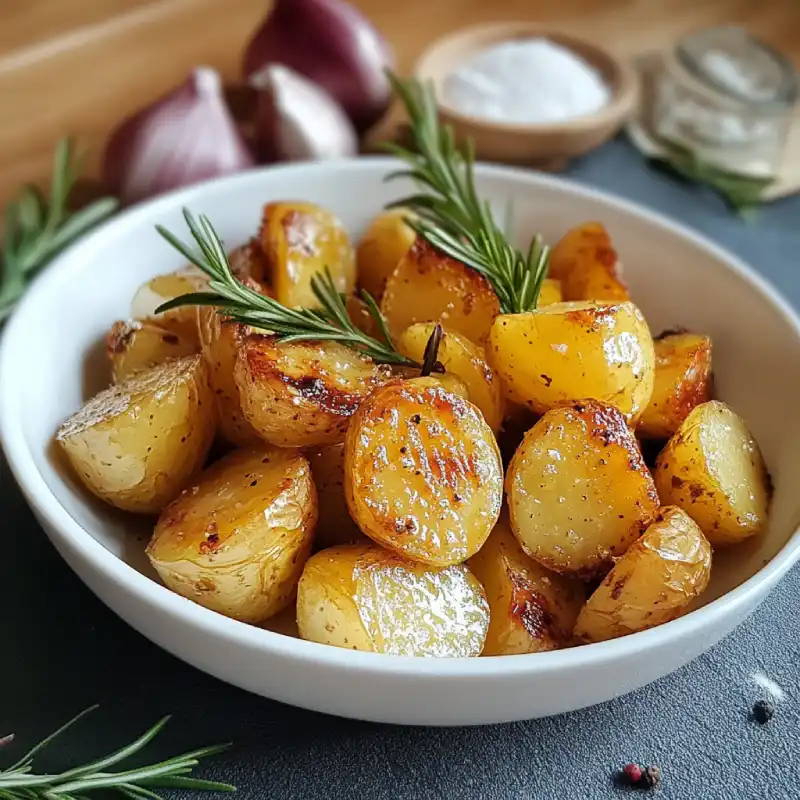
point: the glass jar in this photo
(729, 99)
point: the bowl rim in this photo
(67, 533)
(621, 77)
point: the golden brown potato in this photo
(653, 582)
(301, 240)
(249, 261)
(712, 468)
(385, 242)
(335, 525)
(302, 394)
(532, 609)
(682, 381)
(428, 286)
(138, 443)
(570, 351)
(359, 314)
(138, 345)
(450, 382)
(237, 540)
(549, 293)
(422, 472)
(465, 359)
(579, 492)
(365, 598)
(587, 265)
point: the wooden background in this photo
(78, 66)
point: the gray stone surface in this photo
(61, 650)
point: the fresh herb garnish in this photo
(36, 228)
(18, 782)
(450, 215)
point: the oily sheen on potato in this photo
(138, 345)
(655, 580)
(365, 598)
(712, 468)
(236, 541)
(579, 492)
(422, 472)
(531, 608)
(138, 443)
(387, 239)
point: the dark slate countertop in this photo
(61, 650)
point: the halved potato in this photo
(532, 608)
(653, 582)
(465, 359)
(139, 442)
(237, 540)
(138, 345)
(301, 394)
(365, 598)
(712, 468)
(569, 351)
(585, 262)
(579, 492)
(422, 472)
(385, 242)
(428, 286)
(682, 381)
(301, 240)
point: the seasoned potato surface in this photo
(137, 345)
(162, 288)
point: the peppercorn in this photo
(763, 711)
(651, 777)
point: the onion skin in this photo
(186, 136)
(333, 45)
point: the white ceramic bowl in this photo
(51, 359)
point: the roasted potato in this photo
(682, 381)
(385, 242)
(237, 540)
(301, 394)
(587, 265)
(182, 321)
(301, 240)
(138, 443)
(532, 609)
(365, 598)
(422, 472)
(712, 468)
(428, 286)
(138, 345)
(284, 622)
(579, 492)
(550, 292)
(465, 359)
(570, 351)
(335, 525)
(359, 314)
(653, 582)
(250, 261)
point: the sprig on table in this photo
(19, 782)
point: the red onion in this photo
(332, 44)
(185, 137)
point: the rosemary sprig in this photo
(232, 298)
(36, 228)
(451, 216)
(18, 782)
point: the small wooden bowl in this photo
(547, 145)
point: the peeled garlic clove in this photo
(185, 137)
(297, 120)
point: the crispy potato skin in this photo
(385, 242)
(422, 472)
(301, 394)
(300, 240)
(427, 286)
(138, 443)
(550, 292)
(532, 608)
(365, 598)
(585, 262)
(465, 359)
(237, 540)
(579, 492)
(712, 468)
(569, 351)
(134, 346)
(683, 380)
(653, 582)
